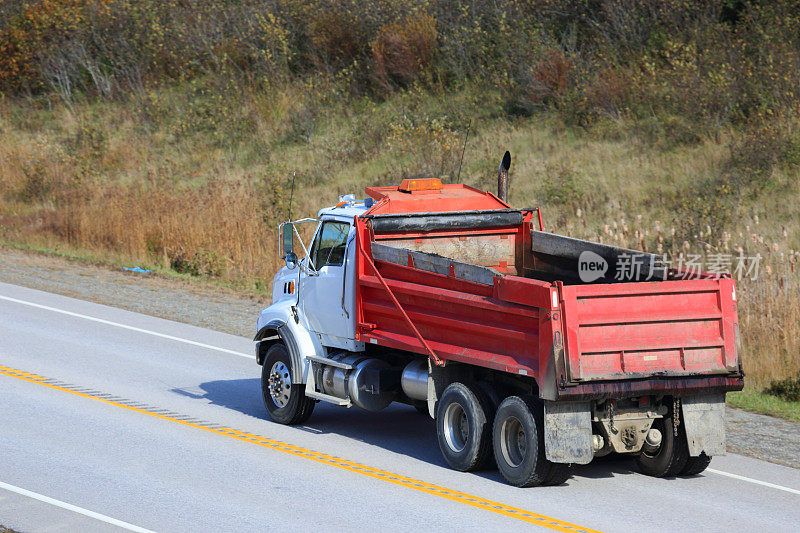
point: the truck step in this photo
(329, 362)
(328, 398)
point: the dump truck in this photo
(525, 346)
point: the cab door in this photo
(328, 297)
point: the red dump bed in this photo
(477, 304)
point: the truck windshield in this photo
(329, 246)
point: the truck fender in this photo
(277, 323)
(704, 422)
(439, 377)
(266, 337)
(568, 432)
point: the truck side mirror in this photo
(287, 238)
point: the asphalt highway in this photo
(114, 421)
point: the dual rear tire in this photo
(518, 438)
(469, 430)
(672, 456)
(464, 427)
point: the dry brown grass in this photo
(769, 318)
(214, 230)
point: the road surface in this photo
(114, 421)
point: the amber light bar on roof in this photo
(421, 184)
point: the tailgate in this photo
(634, 330)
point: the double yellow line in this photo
(358, 468)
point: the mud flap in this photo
(704, 421)
(568, 432)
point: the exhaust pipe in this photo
(502, 177)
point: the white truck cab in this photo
(313, 298)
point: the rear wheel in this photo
(463, 425)
(672, 455)
(518, 438)
(285, 401)
(695, 465)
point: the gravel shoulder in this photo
(195, 303)
(763, 437)
(760, 436)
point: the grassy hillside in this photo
(165, 134)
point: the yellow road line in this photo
(358, 468)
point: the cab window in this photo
(329, 246)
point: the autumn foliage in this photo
(722, 62)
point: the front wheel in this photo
(285, 401)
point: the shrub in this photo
(745, 173)
(48, 174)
(336, 39)
(403, 49)
(424, 147)
(611, 91)
(563, 186)
(790, 155)
(705, 63)
(550, 76)
(207, 263)
(786, 389)
(749, 167)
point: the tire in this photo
(559, 474)
(285, 401)
(695, 465)
(463, 426)
(672, 456)
(518, 438)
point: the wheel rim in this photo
(456, 427)
(279, 384)
(513, 442)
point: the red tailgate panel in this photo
(646, 329)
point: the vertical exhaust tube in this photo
(502, 177)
